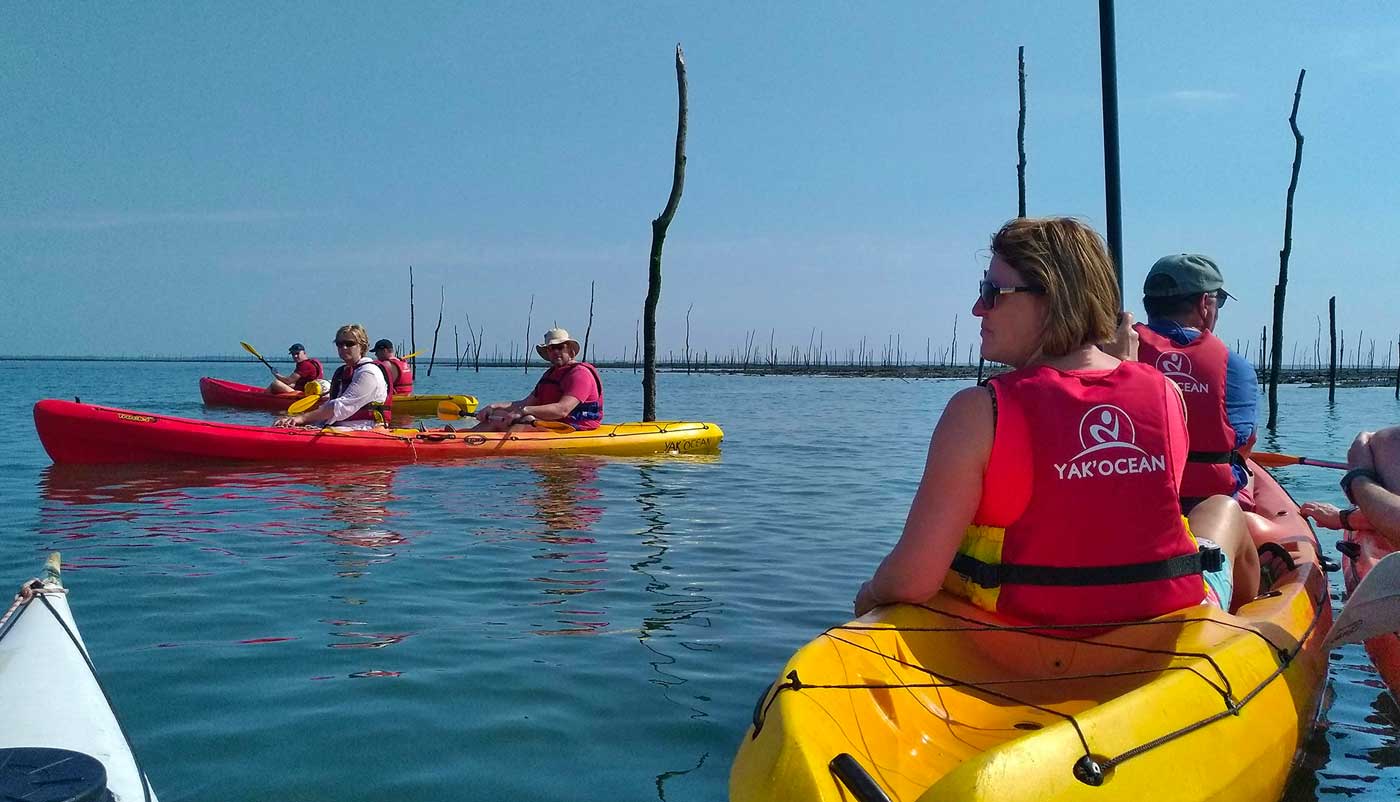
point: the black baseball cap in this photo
(296, 347)
(385, 343)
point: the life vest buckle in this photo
(1212, 558)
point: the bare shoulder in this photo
(970, 408)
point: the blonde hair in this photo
(355, 332)
(1069, 261)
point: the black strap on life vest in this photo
(991, 575)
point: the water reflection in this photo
(685, 605)
(565, 501)
(120, 507)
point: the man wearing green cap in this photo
(1183, 295)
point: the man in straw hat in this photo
(569, 392)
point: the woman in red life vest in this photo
(400, 374)
(306, 370)
(569, 392)
(359, 396)
(1049, 496)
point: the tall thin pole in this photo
(1112, 199)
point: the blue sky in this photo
(176, 178)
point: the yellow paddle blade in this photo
(312, 388)
(446, 410)
(466, 402)
(250, 349)
(412, 355)
(303, 404)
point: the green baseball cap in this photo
(1183, 274)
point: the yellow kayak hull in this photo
(939, 702)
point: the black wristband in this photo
(1354, 474)
(1345, 516)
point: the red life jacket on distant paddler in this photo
(1198, 368)
(373, 411)
(310, 373)
(1079, 522)
(403, 384)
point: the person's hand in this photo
(285, 422)
(865, 600)
(1360, 456)
(1324, 514)
(1124, 344)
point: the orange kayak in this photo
(88, 434)
(1363, 550)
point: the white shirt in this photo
(366, 386)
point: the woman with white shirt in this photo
(359, 397)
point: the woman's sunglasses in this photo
(987, 292)
(345, 343)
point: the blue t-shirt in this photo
(1241, 388)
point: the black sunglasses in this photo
(345, 343)
(987, 292)
(1220, 296)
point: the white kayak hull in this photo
(49, 696)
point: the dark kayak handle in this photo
(854, 776)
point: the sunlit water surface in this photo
(566, 629)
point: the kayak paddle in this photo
(1373, 607)
(1270, 460)
(313, 397)
(448, 410)
(250, 349)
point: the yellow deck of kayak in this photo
(940, 703)
(421, 406)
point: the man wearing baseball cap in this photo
(400, 373)
(569, 392)
(307, 370)
(1183, 296)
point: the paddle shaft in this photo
(250, 349)
(1269, 459)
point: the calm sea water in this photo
(548, 629)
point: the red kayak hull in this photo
(78, 433)
(1385, 649)
(220, 393)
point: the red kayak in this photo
(89, 434)
(1364, 549)
(220, 393)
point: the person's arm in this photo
(1377, 502)
(486, 412)
(1241, 399)
(944, 505)
(1125, 342)
(559, 410)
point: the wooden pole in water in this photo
(412, 338)
(442, 305)
(1108, 68)
(529, 321)
(1281, 289)
(588, 331)
(1397, 372)
(1332, 360)
(1020, 168)
(658, 238)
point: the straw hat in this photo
(554, 337)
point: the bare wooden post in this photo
(1020, 160)
(442, 304)
(1397, 372)
(589, 330)
(687, 337)
(529, 321)
(1332, 359)
(636, 344)
(658, 238)
(412, 339)
(1281, 289)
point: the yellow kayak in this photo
(939, 702)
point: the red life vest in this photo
(1079, 522)
(549, 389)
(373, 411)
(403, 384)
(312, 375)
(1198, 368)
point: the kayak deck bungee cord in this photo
(78, 433)
(941, 701)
